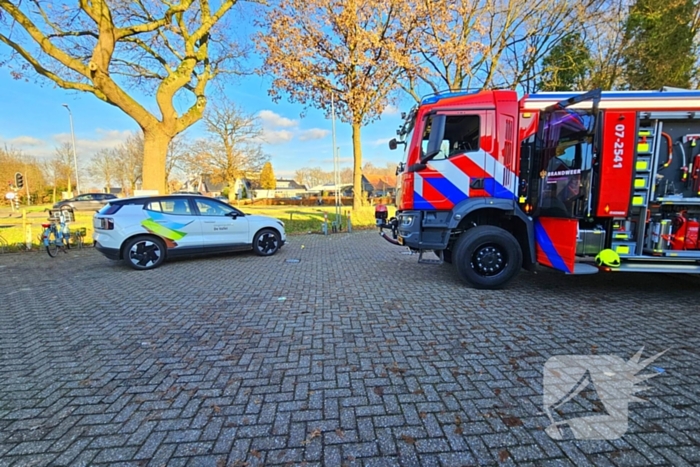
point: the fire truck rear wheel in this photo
(487, 257)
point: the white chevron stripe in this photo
(494, 168)
(418, 185)
(452, 173)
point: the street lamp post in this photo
(75, 158)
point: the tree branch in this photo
(72, 34)
(149, 50)
(156, 24)
(42, 70)
(42, 41)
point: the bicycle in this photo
(77, 236)
(56, 232)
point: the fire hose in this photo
(390, 240)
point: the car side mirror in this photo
(232, 214)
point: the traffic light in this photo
(19, 180)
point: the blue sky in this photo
(32, 119)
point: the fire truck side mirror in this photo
(437, 130)
(392, 144)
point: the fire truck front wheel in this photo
(487, 257)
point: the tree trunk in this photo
(155, 150)
(357, 169)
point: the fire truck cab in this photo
(492, 183)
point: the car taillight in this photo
(104, 223)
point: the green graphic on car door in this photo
(159, 225)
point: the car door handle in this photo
(210, 222)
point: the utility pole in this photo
(75, 157)
(336, 169)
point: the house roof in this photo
(381, 185)
(366, 186)
(283, 184)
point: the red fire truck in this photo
(492, 183)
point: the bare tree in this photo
(105, 167)
(485, 43)
(103, 47)
(349, 52)
(232, 148)
(301, 176)
(314, 176)
(346, 175)
(604, 35)
(129, 160)
(175, 161)
(63, 163)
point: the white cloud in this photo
(313, 133)
(85, 147)
(106, 139)
(391, 110)
(276, 136)
(271, 119)
(25, 141)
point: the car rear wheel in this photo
(266, 242)
(144, 253)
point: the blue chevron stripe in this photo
(497, 190)
(447, 188)
(420, 203)
(544, 242)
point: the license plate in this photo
(400, 240)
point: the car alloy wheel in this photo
(144, 253)
(266, 242)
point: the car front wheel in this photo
(144, 252)
(266, 242)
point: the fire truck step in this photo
(439, 254)
(670, 267)
(583, 268)
(694, 254)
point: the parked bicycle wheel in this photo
(54, 244)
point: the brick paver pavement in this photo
(355, 355)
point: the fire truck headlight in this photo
(406, 221)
